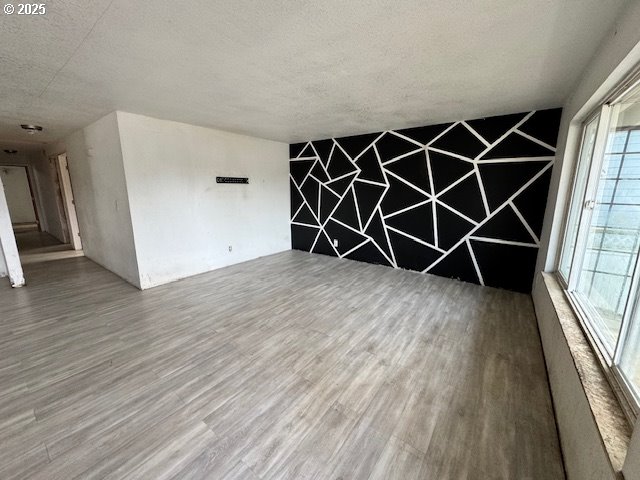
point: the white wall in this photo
(583, 452)
(18, 194)
(183, 222)
(631, 467)
(102, 203)
(617, 55)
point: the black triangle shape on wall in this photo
(323, 147)
(446, 169)
(531, 202)
(505, 225)
(356, 144)
(517, 146)
(502, 180)
(515, 269)
(296, 197)
(346, 211)
(340, 185)
(376, 231)
(305, 216)
(367, 196)
(323, 246)
(340, 164)
(299, 169)
(417, 222)
(302, 237)
(328, 201)
(492, 128)
(369, 253)
(347, 238)
(296, 148)
(461, 141)
(400, 196)
(370, 168)
(413, 169)
(310, 190)
(451, 227)
(307, 152)
(543, 125)
(390, 146)
(410, 254)
(466, 198)
(457, 264)
(318, 172)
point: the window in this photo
(599, 260)
(586, 152)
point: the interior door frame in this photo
(68, 201)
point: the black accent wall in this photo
(462, 200)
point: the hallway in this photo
(35, 246)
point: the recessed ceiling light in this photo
(10, 151)
(31, 129)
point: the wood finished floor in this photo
(293, 366)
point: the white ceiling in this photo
(292, 70)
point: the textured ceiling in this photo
(292, 70)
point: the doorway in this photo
(58, 235)
(20, 198)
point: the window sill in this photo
(612, 424)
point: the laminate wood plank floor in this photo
(292, 366)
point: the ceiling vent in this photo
(31, 129)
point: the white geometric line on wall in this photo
(478, 136)
(415, 239)
(504, 136)
(545, 158)
(535, 140)
(441, 134)
(475, 262)
(455, 184)
(371, 182)
(502, 242)
(525, 223)
(434, 197)
(314, 214)
(408, 139)
(403, 156)
(483, 193)
(354, 248)
(412, 207)
(452, 154)
(453, 210)
(409, 184)
(355, 159)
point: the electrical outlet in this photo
(230, 248)
(335, 242)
